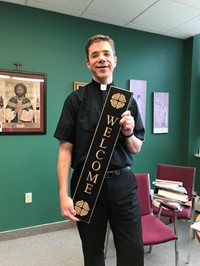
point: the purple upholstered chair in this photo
(187, 176)
(154, 231)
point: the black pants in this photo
(118, 204)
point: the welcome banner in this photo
(100, 153)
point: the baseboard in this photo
(35, 230)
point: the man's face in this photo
(20, 92)
(101, 61)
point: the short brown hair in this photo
(99, 38)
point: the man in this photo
(117, 202)
(19, 108)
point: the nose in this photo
(101, 57)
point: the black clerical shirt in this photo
(78, 121)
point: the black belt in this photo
(111, 174)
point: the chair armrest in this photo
(173, 208)
(168, 206)
(187, 204)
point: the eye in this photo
(107, 54)
(94, 55)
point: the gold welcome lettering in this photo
(92, 178)
(111, 120)
(101, 151)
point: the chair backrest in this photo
(143, 193)
(178, 173)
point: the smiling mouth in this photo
(102, 67)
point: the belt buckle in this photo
(110, 175)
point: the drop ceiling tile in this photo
(102, 19)
(166, 15)
(191, 3)
(191, 27)
(157, 31)
(55, 8)
(145, 28)
(78, 5)
(118, 9)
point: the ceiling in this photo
(175, 18)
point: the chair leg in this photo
(176, 254)
(192, 219)
(175, 221)
(189, 243)
(191, 231)
(150, 248)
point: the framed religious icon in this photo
(78, 84)
(22, 102)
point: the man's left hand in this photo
(127, 122)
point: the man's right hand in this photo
(67, 208)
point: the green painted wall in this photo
(53, 43)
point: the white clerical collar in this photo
(103, 87)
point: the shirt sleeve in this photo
(139, 130)
(65, 129)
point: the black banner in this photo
(100, 153)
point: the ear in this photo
(115, 60)
(88, 64)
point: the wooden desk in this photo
(198, 232)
